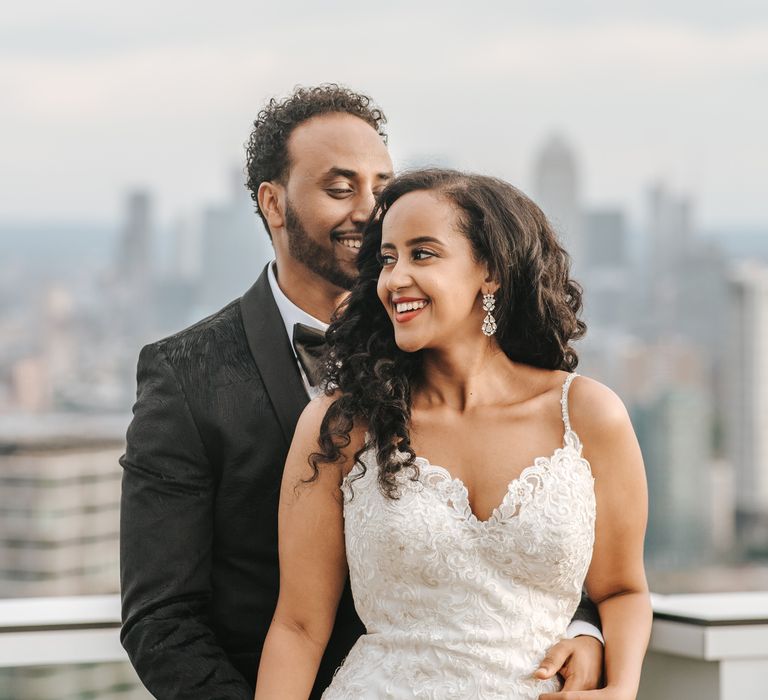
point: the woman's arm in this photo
(616, 579)
(313, 567)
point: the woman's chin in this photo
(409, 344)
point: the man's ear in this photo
(271, 196)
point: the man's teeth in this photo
(350, 242)
(410, 306)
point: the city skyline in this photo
(100, 100)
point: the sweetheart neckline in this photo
(496, 515)
(468, 515)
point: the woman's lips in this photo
(408, 314)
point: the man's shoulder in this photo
(218, 338)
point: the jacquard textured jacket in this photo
(216, 408)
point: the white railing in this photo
(62, 630)
(707, 647)
(703, 647)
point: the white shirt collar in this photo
(291, 315)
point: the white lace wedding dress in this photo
(457, 607)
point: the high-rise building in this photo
(665, 387)
(59, 505)
(59, 522)
(135, 270)
(557, 190)
(235, 247)
(747, 414)
(669, 226)
(675, 435)
(134, 261)
(669, 237)
(605, 273)
(605, 239)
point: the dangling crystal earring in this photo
(489, 322)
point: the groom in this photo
(216, 408)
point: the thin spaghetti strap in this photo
(564, 401)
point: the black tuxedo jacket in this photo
(217, 405)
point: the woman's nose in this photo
(399, 276)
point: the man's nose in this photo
(364, 205)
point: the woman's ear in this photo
(490, 285)
(270, 196)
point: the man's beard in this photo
(312, 255)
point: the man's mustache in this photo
(357, 230)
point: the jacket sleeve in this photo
(587, 612)
(166, 523)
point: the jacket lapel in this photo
(272, 351)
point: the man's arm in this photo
(165, 546)
(586, 619)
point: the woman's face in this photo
(430, 284)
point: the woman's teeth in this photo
(410, 306)
(350, 242)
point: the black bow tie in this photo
(309, 344)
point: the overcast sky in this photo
(100, 96)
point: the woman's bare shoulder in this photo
(594, 408)
(310, 424)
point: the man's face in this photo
(338, 164)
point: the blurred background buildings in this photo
(678, 325)
(676, 288)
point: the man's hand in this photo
(580, 663)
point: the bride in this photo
(466, 478)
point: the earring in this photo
(489, 322)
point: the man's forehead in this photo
(333, 143)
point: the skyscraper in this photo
(59, 522)
(605, 273)
(557, 190)
(235, 247)
(605, 239)
(135, 255)
(747, 414)
(669, 227)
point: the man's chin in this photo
(340, 276)
(345, 275)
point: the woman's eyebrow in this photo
(415, 241)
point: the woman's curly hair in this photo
(267, 148)
(537, 308)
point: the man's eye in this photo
(385, 259)
(422, 254)
(339, 191)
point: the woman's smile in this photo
(407, 308)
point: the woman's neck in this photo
(465, 378)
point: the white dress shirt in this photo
(292, 314)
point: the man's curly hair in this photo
(537, 311)
(267, 148)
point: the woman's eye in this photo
(385, 259)
(422, 254)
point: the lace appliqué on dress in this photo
(457, 607)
